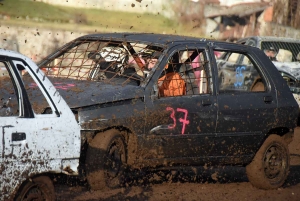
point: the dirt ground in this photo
(229, 183)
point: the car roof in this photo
(10, 53)
(161, 39)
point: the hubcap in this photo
(34, 193)
(115, 160)
(274, 162)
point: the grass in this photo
(38, 14)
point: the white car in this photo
(34, 143)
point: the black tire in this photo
(106, 160)
(40, 188)
(270, 166)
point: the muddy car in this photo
(285, 54)
(35, 142)
(155, 102)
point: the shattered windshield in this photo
(105, 61)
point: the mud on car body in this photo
(34, 143)
(130, 120)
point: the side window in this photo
(9, 105)
(246, 61)
(36, 97)
(74, 63)
(233, 57)
(186, 73)
(239, 77)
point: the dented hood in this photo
(80, 93)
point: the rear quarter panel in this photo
(287, 107)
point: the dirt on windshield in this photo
(218, 183)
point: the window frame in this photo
(202, 48)
(228, 49)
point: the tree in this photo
(287, 12)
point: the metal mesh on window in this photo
(101, 61)
(185, 74)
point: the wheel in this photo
(40, 188)
(270, 166)
(106, 160)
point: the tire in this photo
(106, 161)
(270, 166)
(39, 188)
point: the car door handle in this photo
(206, 102)
(18, 136)
(268, 99)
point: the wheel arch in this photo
(24, 182)
(130, 138)
(284, 132)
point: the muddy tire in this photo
(270, 166)
(39, 188)
(106, 160)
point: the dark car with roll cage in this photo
(156, 101)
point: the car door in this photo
(34, 135)
(246, 105)
(18, 128)
(179, 127)
(52, 140)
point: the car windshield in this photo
(112, 62)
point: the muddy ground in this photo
(229, 183)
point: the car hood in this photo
(292, 68)
(80, 93)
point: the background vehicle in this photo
(129, 123)
(35, 141)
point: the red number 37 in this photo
(184, 120)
